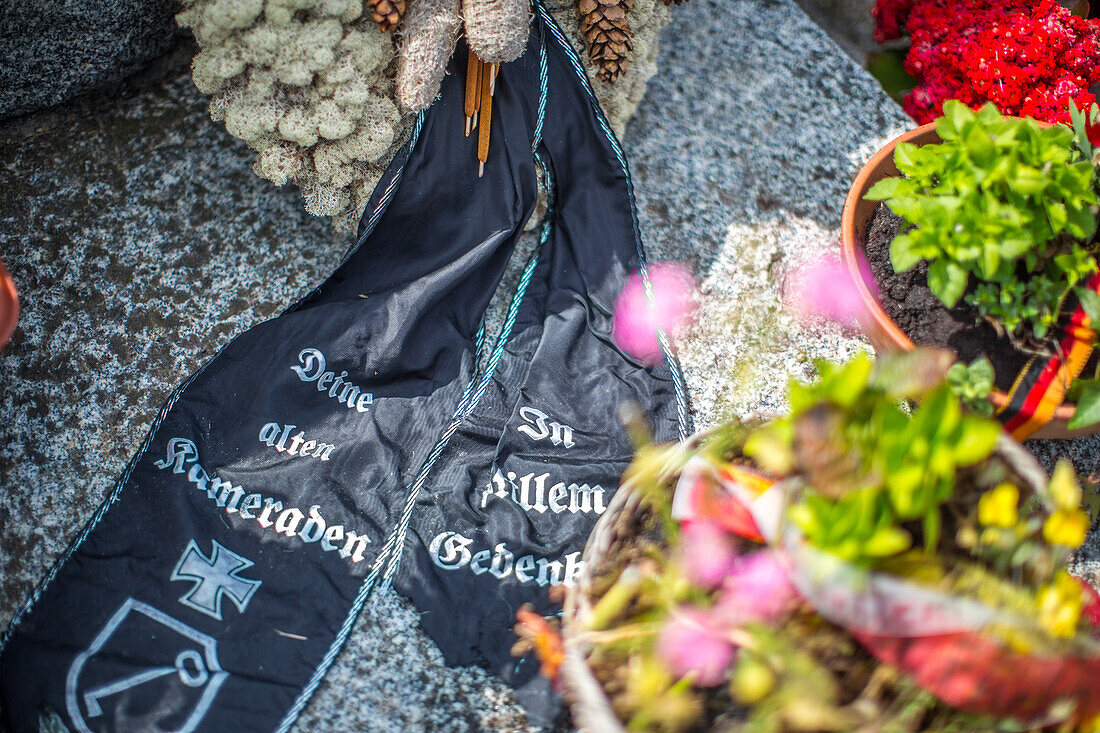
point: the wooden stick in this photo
(473, 89)
(486, 110)
(477, 94)
(493, 79)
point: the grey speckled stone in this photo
(142, 242)
(53, 50)
(848, 23)
(743, 151)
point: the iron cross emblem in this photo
(214, 578)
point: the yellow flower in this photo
(1066, 527)
(1060, 605)
(997, 507)
(1064, 490)
(1091, 726)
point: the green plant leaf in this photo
(1088, 409)
(977, 439)
(1079, 121)
(886, 188)
(982, 407)
(887, 541)
(947, 280)
(1090, 303)
(902, 256)
(1081, 223)
(904, 157)
(931, 526)
(770, 446)
(990, 260)
(954, 118)
(805, 519)
(981, 374)
(1013, 248)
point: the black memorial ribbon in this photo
(371, 434)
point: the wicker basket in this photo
(589, 704)
(591, 708)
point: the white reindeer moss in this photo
(309, 84)
(304, 83)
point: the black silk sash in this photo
(372, 434)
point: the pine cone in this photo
(387, 13)
(605, 29)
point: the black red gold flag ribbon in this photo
(1043, 383)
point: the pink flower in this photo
(757, 590)
(691, 643)
(634, 326)
(709, 553)
(825, 287)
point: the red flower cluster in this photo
(890, 18)
(1028, 57)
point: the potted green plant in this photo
(986, 243)
(911, 576)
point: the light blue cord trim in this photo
(367, 586)
(684, 423)
(544, 86)
(466, 408)
(390, 554)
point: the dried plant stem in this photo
(429, 32)
(486, 111)
(473, 90)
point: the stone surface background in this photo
(141, 242)
(848, 23)
(53, 50)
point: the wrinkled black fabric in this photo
(131, 631)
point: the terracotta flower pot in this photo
(884, 334)
(9, 305)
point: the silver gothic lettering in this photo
(269, 513)
(533, 494)
(335, 386)
(540, 427)
(451, 551)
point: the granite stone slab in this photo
(142, 242)
(53, 50)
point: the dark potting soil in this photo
(907, 300)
